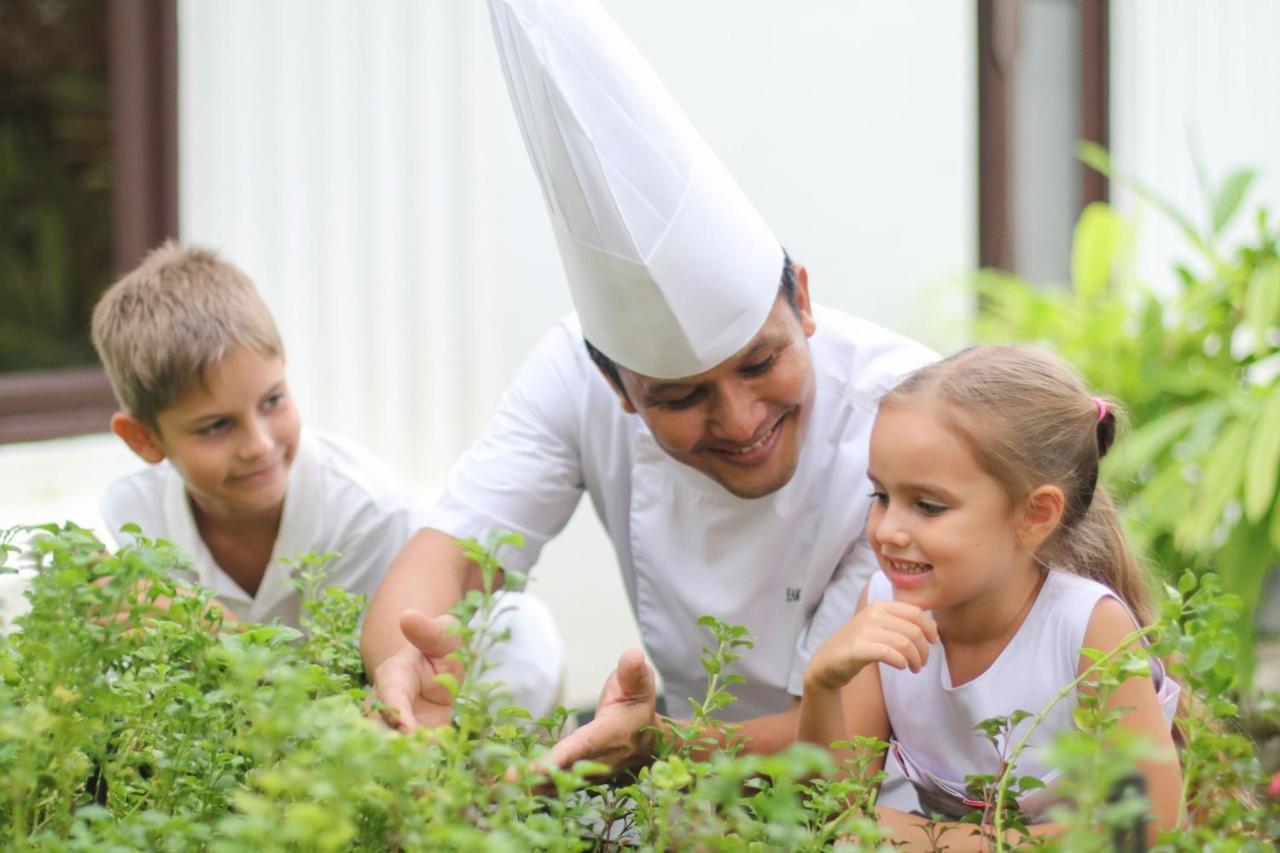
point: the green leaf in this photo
(1223, 475)
(1262, 466)
(1262, 304)
(1144, 444)
(1029, 783)
(1096, 157)
(1275, 530)
(450, 682)
(1229, 197)
(1243, 563)
(1094, 248)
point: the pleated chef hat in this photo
(671, 268)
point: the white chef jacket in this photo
(789, 566)
(343, 499)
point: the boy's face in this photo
(234, 439)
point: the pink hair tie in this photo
(1102, 408)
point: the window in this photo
(1043, 86)
(87, 185)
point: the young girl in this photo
(1001, 557)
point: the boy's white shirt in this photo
(340, 498)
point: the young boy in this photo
(198, 369)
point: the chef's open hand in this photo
(890, 632)
(405, 683)
(620, 735)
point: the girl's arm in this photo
(1109, 624)
(842, 693)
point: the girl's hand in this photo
(891, 632)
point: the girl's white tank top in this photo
(932, 721)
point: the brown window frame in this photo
(142, 64)
(997, 46)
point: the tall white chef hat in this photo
(671, 269)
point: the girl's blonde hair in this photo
(1029, 421)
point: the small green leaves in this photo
(257, 739)
(1227, 200)
(450, 682)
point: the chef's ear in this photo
(615, 380)
(613, 375)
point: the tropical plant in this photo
(1197, 369)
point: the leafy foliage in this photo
(1198, 371)
(137, 720)
(131, 718)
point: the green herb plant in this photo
(132, 718)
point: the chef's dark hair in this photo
(787, 288)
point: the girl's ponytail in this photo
(1029, 420)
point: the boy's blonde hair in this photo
(1029, 421)
(159, 329)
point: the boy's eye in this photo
(272, 401)
(214, 427)
(881, 497)
(760, 367)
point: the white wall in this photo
(361, 162)
(1184, 73)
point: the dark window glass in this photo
(56, 252)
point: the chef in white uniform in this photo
(717, 419)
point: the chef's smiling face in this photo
(742, 423)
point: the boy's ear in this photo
(1040, 516)
(138, 436)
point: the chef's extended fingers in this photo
(429, 635)
(397, 707)
(635, 678)
(582, 744)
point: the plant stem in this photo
(1003, 786)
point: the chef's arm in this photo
(430, 574)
